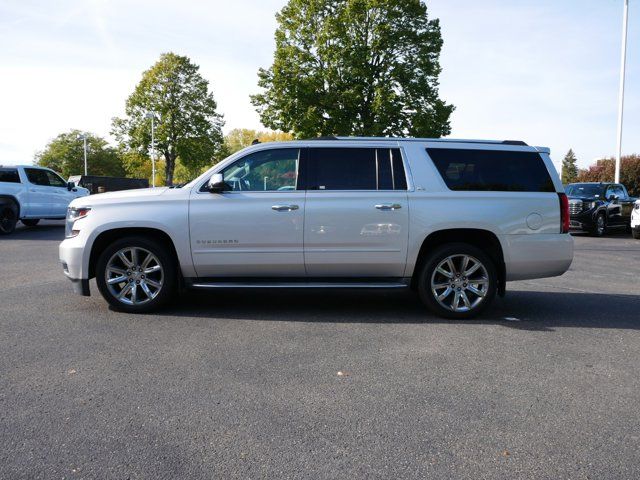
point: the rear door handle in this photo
(389, 206)
(284, 208)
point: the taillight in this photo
(564, 213)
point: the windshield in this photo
(584, 190)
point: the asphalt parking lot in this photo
(246, 385)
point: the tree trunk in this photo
(169, 167)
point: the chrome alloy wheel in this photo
(134, 276)
(460, 283)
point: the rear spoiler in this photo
(546, 150)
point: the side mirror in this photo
(216, 184)
(71, 186)
(613, 198)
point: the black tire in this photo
(635, 232)
(8, 216)
(600, 227)
(30, 222)
(428, 273)
(168, 271)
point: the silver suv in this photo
(454, 220)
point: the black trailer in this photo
(96, 184)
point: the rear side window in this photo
(492, 170)
(355, 169)
(9, 175)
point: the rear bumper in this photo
(537, 256)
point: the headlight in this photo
(637, 207)
(73, 214)
(589, 205)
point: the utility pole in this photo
(83, 137)
(623, 65)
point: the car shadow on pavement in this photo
(51, 231)
(524, 310)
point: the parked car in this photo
(599, 207)
(635, 220)
(98, 184)
(30, 193)
(455, 220)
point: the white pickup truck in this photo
(455, 220)
(30, 193)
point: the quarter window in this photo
(492, 170)
(264, 171)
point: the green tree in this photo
(239, 138)
(187, 124)
(569, 167)
(65, 154)
(354, 67)
(604, 171)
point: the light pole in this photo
(83, 137)
(623, 65)
(152, 116)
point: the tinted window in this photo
(356, 169)
(492, 170)
(264, 171)
(44, 177)
(9, 175)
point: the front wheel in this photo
(600, 228)
(458, 281)
(635, 232)
(136, 275)
(31, 222)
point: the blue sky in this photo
(543, 71)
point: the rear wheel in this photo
(136, 274)
(31, 222)
(458, 281)
(8, 217)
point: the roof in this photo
(412, 139)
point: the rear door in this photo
(356, 220)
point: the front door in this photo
(356, 222)
(256, 228)
(39, 195)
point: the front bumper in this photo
(71, 254)
(583, 221)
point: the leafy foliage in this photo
(187, 125)
(239, 138)
(354, 67)
(65, 154)
(569, 167)
(604, 171)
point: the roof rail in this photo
(443, 140)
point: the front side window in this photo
(616, 190)
(265, 171)
(44, 178)
(356, 169)
(492, 170)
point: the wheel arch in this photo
(486, 240)
(4, 198)
(104, 239)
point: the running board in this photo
(283, 284)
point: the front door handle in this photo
(284, 208)
(389, 206)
